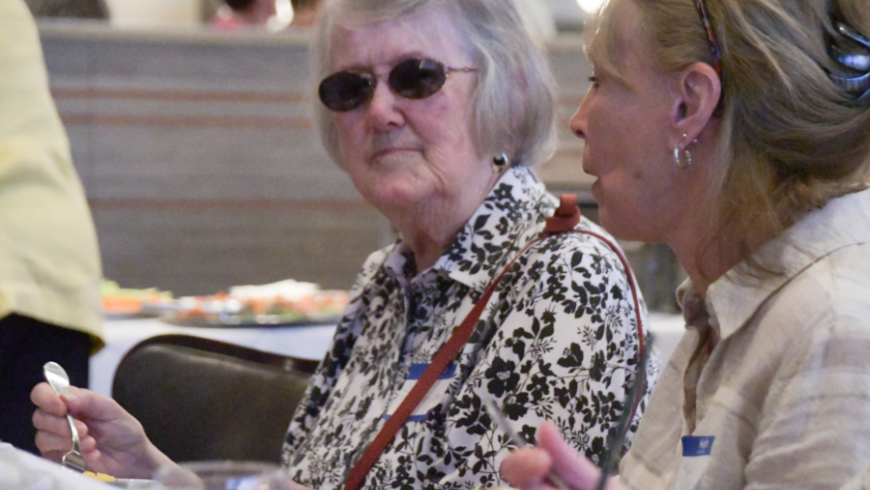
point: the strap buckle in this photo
(565, 218)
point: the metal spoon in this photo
(59, 381)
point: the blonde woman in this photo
(738, 133)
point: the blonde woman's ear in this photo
(697, 90)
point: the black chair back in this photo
(200, 399)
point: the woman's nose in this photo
(578, 121)
(383, 109)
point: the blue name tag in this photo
(694, 446)
(432, 398)
(417, 370)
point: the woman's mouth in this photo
(393, 156)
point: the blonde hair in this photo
(789, 138)
(514, 104)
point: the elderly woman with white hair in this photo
(436, 109)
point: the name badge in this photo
(696, 456)
(433, 397)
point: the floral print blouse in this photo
(557, 341)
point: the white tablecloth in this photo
(20, 470)
(307, 342)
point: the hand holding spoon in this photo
(59, 381)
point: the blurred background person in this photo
(234, 14)
(436, 110)
(275, 15)
(80, 9)
(305, 12)
(50, 307)
(738, 133)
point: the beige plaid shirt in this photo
(860, 482)
(783, 383)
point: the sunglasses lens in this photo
(413, 79)
(345, 90)
(417, 79)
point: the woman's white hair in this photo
(514, 103)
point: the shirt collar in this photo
(734, 298)
(398, 262)
(497, 228)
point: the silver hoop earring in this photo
(677, 160)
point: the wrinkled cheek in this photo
(450, 122)
(347, 141)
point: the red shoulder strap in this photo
(565, 219)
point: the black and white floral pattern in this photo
(557, 341)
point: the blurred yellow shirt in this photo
(49, 260)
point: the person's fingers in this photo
(45, 422)
(53, 433)
(526, 468)
(51, 445)
(82, 428)
(575, 470)
(292, 485)
(94, 459)
(87, 405)
(83, 403)
(46, 399)
(56, 456)
(87, 444)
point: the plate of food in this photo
(121, 302)
(282, 303)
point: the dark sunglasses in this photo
(412, 79)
